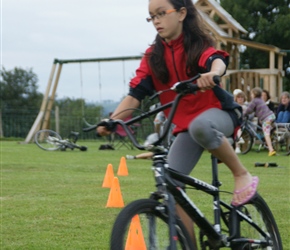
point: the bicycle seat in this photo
(74, 136)
(74, 133)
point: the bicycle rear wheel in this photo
(245, 140)
(268, 238)
(47, 140)
(143, 224)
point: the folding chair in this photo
(120, 138)
(283, 136)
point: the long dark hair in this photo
(267, 94)
(196, 40)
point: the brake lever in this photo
(186, 86)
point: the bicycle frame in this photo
(168, 176)
(56, 141)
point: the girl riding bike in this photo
(181, 49)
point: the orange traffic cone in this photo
(135, 240)
(109, 176)
(122, 170)
(115, 197)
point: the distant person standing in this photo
(265, 115)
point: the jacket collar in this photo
(174, 43)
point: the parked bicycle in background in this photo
(251, 134)
(50, 140)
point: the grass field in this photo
(54, 200)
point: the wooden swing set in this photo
(43, 117)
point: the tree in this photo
(18, 88)
(18, 98)
(266, 22)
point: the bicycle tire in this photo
(247, 141)
(150, 230)
(42, 140)
(258, 210)
(83, 148)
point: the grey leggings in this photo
(205, 132)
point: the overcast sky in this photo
(35, 32)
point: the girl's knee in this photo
(205, 134)
(199, 129)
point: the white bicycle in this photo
(50, 140)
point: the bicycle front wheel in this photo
(261, 232)
(143, 224)
(47, 140)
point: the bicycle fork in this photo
(158, 167)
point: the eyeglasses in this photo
(160, 15)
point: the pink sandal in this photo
(253, 185)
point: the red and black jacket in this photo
(190, 106)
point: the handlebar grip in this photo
(188, 86)
(217, 80)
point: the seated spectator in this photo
(267, 99)
(283, 111)
(241, 99)
(236, 91)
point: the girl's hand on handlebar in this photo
(206, 82)
(106, 127)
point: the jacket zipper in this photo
(174, 65)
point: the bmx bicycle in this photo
(154, 223)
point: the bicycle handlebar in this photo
(187, 86)
(182, 88)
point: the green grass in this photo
(54, 200)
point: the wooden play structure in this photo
(227, 32)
